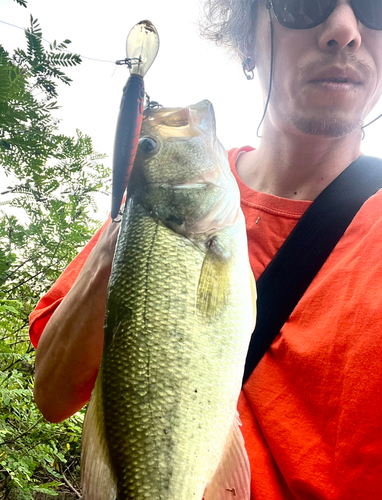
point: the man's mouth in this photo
(340, 80)
(346, 77)
(336, 84)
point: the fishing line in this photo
(50, 43)
(271, 73)
(123, 62)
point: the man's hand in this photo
(69, 353)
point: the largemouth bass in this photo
(162, 421)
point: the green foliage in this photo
(34, 453)
(23, 3)
(27, 92)
(44, 65)
(46, 217)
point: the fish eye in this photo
(147, 144)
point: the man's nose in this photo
(341, 29)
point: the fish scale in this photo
(144, 338)
(145, 388)
(171, 371)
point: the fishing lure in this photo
(141, 49)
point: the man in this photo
(312, 409)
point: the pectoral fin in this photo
(97, 478)
(232, 479)
(214, 282)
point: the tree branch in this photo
(23, 433)
(67, 482)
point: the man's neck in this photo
(297, 167)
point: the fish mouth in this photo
(202, 116)
(191, 185)
(186, 185)
(186, 122)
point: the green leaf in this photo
(46, 217)
(23, 3)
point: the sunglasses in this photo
(305, 14)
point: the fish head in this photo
(182, 173)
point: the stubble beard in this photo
(330, 127)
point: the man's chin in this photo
(329, 127)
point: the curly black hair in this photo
(230, 23)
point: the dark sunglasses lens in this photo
(302, 14)
(369, 12)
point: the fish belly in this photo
(170, 376)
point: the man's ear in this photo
(248, 67)
(249, 63)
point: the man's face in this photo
(306, 62)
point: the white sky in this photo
(186, 70)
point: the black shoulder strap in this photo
(291, 271)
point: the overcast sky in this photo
(187, 69)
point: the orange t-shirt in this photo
(312, 409)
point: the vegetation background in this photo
(47, 208)
(47, 214)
